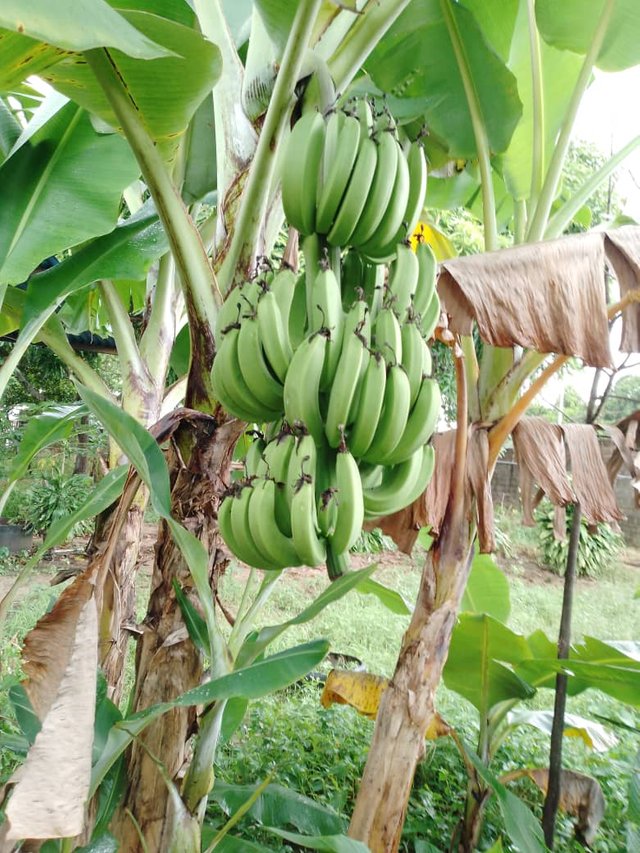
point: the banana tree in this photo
(505, 109)
(165, 96)
(201, 107)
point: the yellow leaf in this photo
(425, 233)
(360, 690)
(437, 728)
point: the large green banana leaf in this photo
(60, 187)
(166, 91)
(571, 24)
(416, 60)
(560, 71)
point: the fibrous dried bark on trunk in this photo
(167, 663)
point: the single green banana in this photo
(417, 164)
(355, 196)
(302, 386)
(376, 247)
(231, 389)
(254, 461)
(224, 526)
(298, 328)
(350, 502)
(274, 335)
(341, 147)
(268, 537)
(394, 416)
(369, 406)
(420, 424)
(388, 151)
(427, 275)
(327, 314)
(387, 336)
(242, 525)
(301, 171)
(283, 286)
(403, 279)
(277, 454)
(310, 547)
(364, 114)
(342, 393)
(400, 486)
(431, 317)
(260, 380)
(413, 357)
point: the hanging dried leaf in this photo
(542, 460)
(360, 690)
(52, 786)
(589, 475)
(549, 297)
(625, 452)
(622, 246)
(580, 796)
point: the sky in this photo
(609, 117)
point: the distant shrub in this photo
(596, 552)
(49, 498)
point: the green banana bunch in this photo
(400, 484)
(348, 178)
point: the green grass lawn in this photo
(321, 752)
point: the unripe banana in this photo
(277, 454)
(262, 383)
(387, 152)
(420, 424)
(413, 357)
(387, 336)
(327, 314)
(268, 537)
(350, 502)
(355, 196)
(377, 247)
(254, 459)
(428, 269)
(431, 317)
(401, 485)
(301, 172)
(274, 334)
(417, 164)
(403, 279)
(247, 550)
(302, 386)
(231, 389)
(310, 547)
(369, 406)
(298, 314)
(341, 147)
(344, 388)
(394, 416)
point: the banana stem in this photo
(253, 206)
(543, 207)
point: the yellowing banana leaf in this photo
(360, 690)
(166, 92)
(426, 233)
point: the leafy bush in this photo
(372, 542)
(596, 552)
(50, 498)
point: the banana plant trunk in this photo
(167, 663)
(118, 596)
(407, 708)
